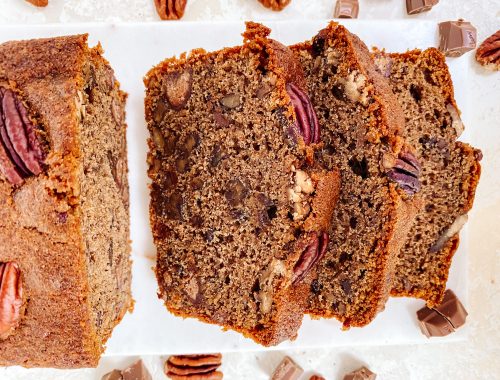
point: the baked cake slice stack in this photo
(239, 210)
(450, 170)
(361, 134)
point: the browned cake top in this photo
(45, 213)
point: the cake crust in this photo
(43, 219)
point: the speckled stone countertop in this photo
(477, 358)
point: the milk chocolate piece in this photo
(444, 319)
(432, 323)
(113, 375)
(418, 6)
(346, 9)
(361, 374)
(452, 309)
(136, 371)
(456, 37)
(287, 370)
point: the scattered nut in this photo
(488, 53)
(456, 121)
(170, 9)
(231, 101)
(39, 3)
(275, 5)
(455, 228)
(266, 279)
(11, 298)
(178, 88)
(314, 250)
(21, 152)
(202, 367)
(306, 123)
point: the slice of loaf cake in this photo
(64, 230)
(238, 209)
(360, 119)
(450, 170)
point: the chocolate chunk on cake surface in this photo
(450, 170)
(238, 207)
(64, 230)
(360, 119)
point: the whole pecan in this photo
(170, 9)
(406, 172)
(39, 3)
(313, 252)
(11, 298)
(488, 53)
(201, 367)
(21, 153)
(307, 124)
(275, 5)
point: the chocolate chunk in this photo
(236, 192)
(419, 6)
(443, 319)
(136, 371)
(361, 374)
(316, 377)
(346, 9)
(287, 370)
(452, 309)
(432, 323)
(113, 375)
(456, 37)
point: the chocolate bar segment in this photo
(418, 6)
(113, 375)
(456, 37)
(443, 319)
(287, 370)
(136, 371)
(361, 374)
(452, 309)
(346, 9)
(433, 324)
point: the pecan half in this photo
(488, 53)
(170, 9)
(11, 298)
(39, 3)
(275, 5)
(313, 252)
(405, 172)
(178, 88)
(21, 153)
(307, 124)
(202, 366)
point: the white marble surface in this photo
(476, 358)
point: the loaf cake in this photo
(360, 120)
(64, 230)
(238, 208)
(450, 170)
